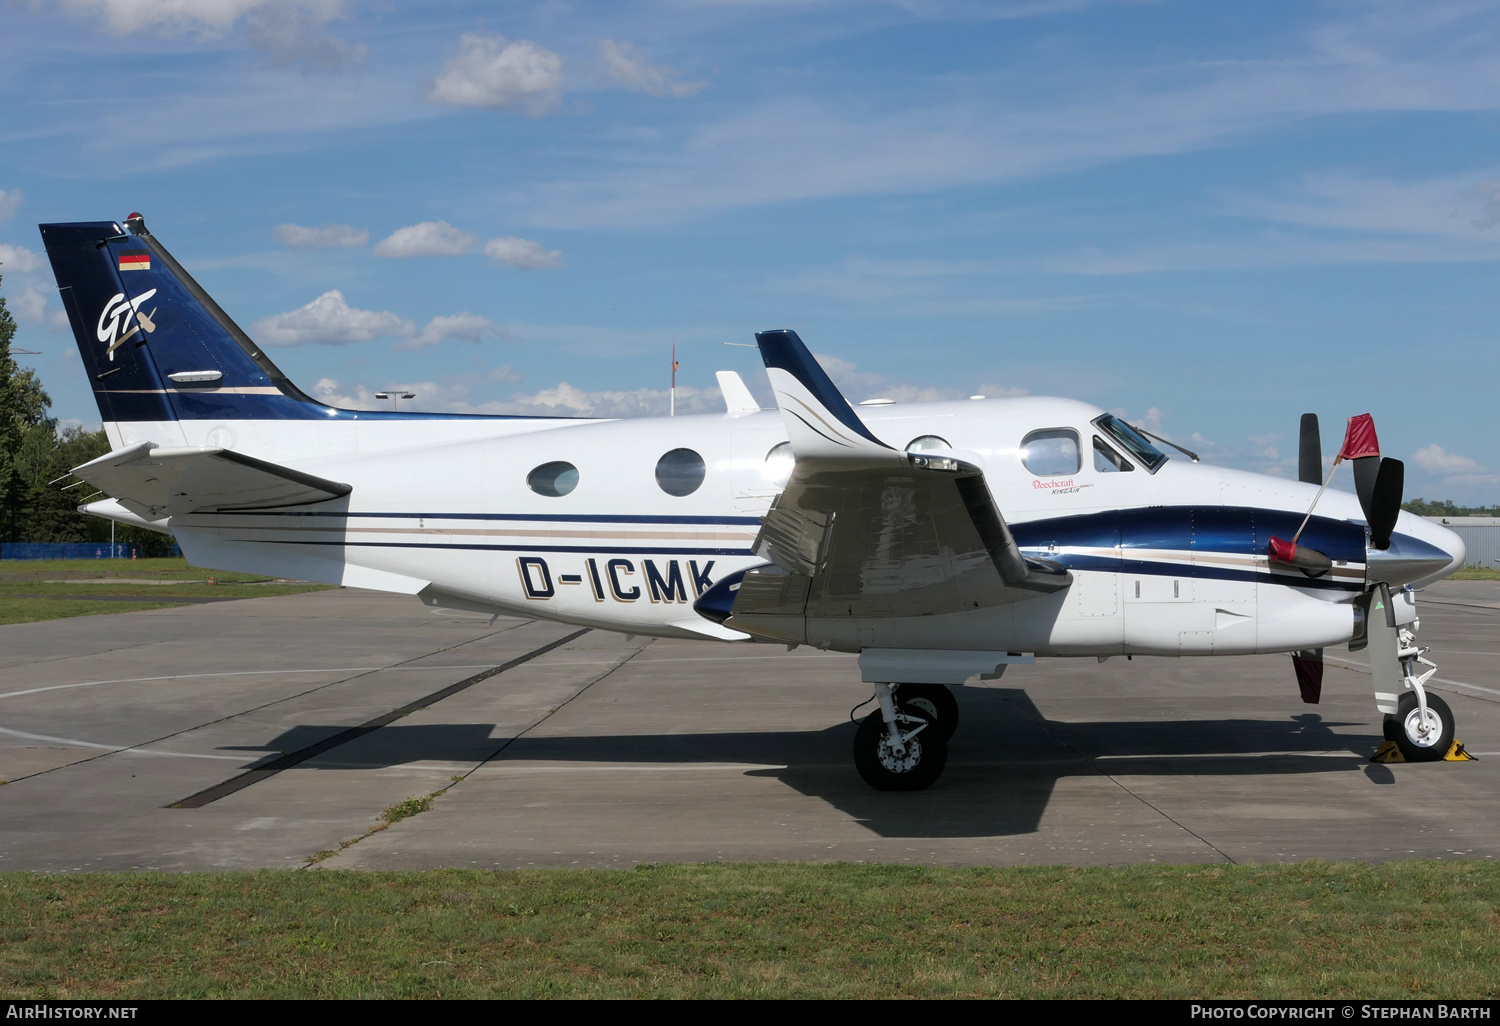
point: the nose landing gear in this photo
(1422, 735)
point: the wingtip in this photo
(784, 353)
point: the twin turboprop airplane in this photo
(940, 541)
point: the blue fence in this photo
(71, 550)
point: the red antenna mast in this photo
(673, 412)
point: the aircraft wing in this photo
(153, 482)
(863, 529)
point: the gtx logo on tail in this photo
(117, 313)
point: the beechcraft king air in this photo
(940, 541)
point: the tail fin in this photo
(155, 345)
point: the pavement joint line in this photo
(459, 778)
(551, 713)
(266, 705)
(130, 749)
(275, 766)
(1350, 664)
(239, 673)
(1465, 605)
(1093, 763)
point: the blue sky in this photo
(1212, 217)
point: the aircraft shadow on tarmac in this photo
(1003, 763)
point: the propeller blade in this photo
(1310, 451)
(1385, 501)
(1366, 469)
(1309, 667)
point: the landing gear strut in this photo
(1422, 726)
(901, 747)
(936, 700)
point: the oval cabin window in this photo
(553, 479)
(680, 472)
(778, 466)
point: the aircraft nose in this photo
(1458, 552)
(1421, 552)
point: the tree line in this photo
(36, 502)
(1445, 508)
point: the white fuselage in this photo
(441, 507)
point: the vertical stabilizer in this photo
(156, 347)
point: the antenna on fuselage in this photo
(673, 409)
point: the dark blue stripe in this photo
(1232, 530)
(571, 518)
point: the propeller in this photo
(1309, 666)
(1310, 451)
(1384, 505)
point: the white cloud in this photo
(329, 321)
(463, 327)
(10, 202)
(1489, 205)
(1460, 207)
(994, 391)
(289, 33)
(18, 259)
(430, 238)
(858, 385)
(525, 253)
(1045, 115)
(288, 30)
(29, 304)
(563, 400)
(633, 72)
(488, 73)
(1436, 460)
(330, 236)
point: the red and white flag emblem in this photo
(135, 261)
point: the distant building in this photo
(1481, 536)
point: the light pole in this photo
(395, 397)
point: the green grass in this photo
(1312, 929)
(1475, 573)
(32, 590)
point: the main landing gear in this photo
(903, 745)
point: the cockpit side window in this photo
(1051, 452)
(1132, 441)
(1106, 460)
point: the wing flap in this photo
(154, 482)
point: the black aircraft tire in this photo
(1406, 739)
(927, 754)
(935, 700)
(1390, 727)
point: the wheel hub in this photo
(1425, 735)
(900, 762)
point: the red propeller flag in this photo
(1360, 440)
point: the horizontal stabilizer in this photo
(153, 482)
(737, 397)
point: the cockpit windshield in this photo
(1132, 441)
